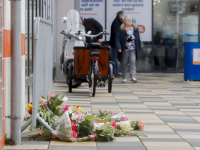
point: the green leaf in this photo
(56, 111)
(55, 102)
(51, 106)
(108, 117)
(100, 112)
(70, 115)
(60, 114)
(59, 102)
(89, 117)
(31, 128)
(62, 97)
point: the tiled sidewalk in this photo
(169, 106)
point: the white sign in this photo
(93, 9)
(140, 10)
(196, 56)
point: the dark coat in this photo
(114, 27)
(91, 24)
(120, 40)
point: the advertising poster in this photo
(140, 10)
(93, 9)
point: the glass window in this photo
(144, 57)
(172, 20)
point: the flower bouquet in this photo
(73, 124)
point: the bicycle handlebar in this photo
(104, 32)
(77, 37)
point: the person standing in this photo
(94, 26)
(114, 27)
(128, 43)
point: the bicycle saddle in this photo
(94, 45)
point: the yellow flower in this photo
(30, 105)
(79, 108)
(40, 104)
(28, 108)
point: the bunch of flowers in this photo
(29, 108)
(74, 124)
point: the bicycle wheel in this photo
(94, 79)
(69, 78)
(94, 84)
(75, 83)
(110, 78)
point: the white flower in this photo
(65, 99)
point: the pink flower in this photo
(65, 108)
(123, 118)
(72, 123)
(113, 123)
(51, 94)
(110, 112)
(77, 119)
(141, 125)
(75, 113)
(73, 135)
(41, 102)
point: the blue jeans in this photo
(114, 59)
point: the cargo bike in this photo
(89, 62)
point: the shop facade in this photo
(166, 22)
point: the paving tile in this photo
(60, 147)
(162, 140)
(167, 148)
(167, 144)
(55, 143)
(31, 147)
(129, 144)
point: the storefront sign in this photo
(140, 10)
(93, 9)
(196, 56)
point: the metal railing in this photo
(42, 66)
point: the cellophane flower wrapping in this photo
(64, 129)
(105, 132)
(119, 117)
(64, 107)
(45, 104)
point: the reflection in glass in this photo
(144, 57)
(172, 20)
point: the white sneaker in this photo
(124, 81)
(134, 79)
